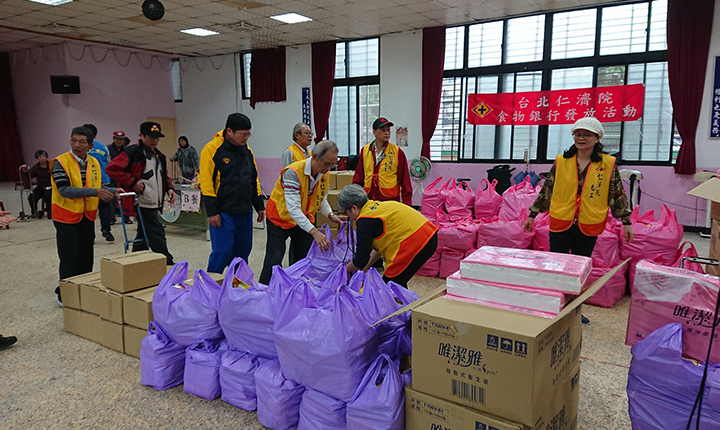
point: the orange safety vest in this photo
(70, 211)
(590, 208)
(277, 211)
(386, 177)
(405, 233)
(297, 152)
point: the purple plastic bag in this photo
(278, 398)
(162, 361)
(246, 312)
(318, 411)
(237, 378)
(324, 348)
(188, 313)
(340, 252)
(379, 402)
(202, 369)
(662, 385)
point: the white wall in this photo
(708, 150)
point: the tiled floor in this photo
(52, 379)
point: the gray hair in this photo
(323, 147)
(352, 194)
(83, 131)
(298, 129)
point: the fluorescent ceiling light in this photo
(291, 18)
(199, 32)
(52, 2)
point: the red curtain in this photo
(267, 76)
(323, 77)
(11, 157)
(689, 24)
(433, 63)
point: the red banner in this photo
(607, 104)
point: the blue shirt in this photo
(100, 153)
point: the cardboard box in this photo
(343, 179)
(709, 190)
(715, 210)
(714, 248)
(425, 412)
(132, 337)
(130, 272)
(70, 288)
(137, 307)
(332, 196)
(496, 361)
(111, 335)
(333, 181)
(321, 220)
(90, 298)
(82, 323)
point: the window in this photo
(595, 46)
(176, 80)
(356, 95)
(244, 78)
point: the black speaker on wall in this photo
(65, 84)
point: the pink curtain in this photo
(11, 158)
(689, 24)
(323, 77)
(433, 62)
(267, 76)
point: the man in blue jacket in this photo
(105, 209)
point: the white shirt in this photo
(293, 201)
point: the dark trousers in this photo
(232, 239)
(155, 234)
(572, 241)
(417, 262)
(37, 195)
(75, 247)
(275, 248)
(106, 212)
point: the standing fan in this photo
(420, 169)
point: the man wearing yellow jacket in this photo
(230, 191)
(393, 230)
(76, 192)
(298, 151)
(300, 191)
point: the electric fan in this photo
(420, 169)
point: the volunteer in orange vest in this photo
(300, 191)
(582, 185)
(395, 231)
(298, 151)
(382, 168)
(76, 192)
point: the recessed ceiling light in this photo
(291, 18)
(52, 2)
(199, 32)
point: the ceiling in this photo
(243, 24)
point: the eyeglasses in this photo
(308, 133)
(244, 135)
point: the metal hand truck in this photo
(25, 192)
(139, 217)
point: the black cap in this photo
(381, 122)
(150, 128)
(238, 121)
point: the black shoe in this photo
(59, 298)
(112, 222)
(7, 341)
(585, 320)
(40, 214)
(108, 236)
(128, 221)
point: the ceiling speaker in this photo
(153, 10)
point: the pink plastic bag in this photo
(685, 253)
(610, 293)
(541, 230)
(505, 234)
(450, 262)
(432, 266)
(487, 201)
(607, 248)
(653, 238)
(517, 199)
(432, 199)
(459, 236)
(667, 294)
(459, 202)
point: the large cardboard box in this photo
(496, 361)
(130, 272)
(426, 412)
(83, 324)
(70, 288)
(111, 335)
(333, 181)
(343, 179)
(132, 337)
(137, 307)
(715, 210)
(332, 196)
(90, 299)
(714, 248)
(709, 190)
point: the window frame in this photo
(546, 65)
